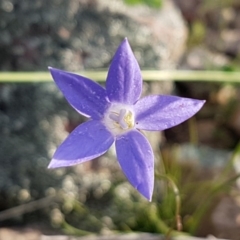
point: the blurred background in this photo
(200, 158)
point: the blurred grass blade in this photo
(193, 131)
(150, 3)
(236, 162)
(148, 75)
(177, 198)
(233, 163)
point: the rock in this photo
(202, 156)
(200, 58)
(34, 235)
(231, 41)
(226, 217)
(10, 234)
(34, 118)
(32, 124)
(86, 32)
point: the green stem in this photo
(177, 199)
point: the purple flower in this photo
(116, 115)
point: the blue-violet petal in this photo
(136, 159)
(85, 95)
(86, 142)
(159, 112)
(124, 81)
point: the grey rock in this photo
(200, 156)
(131, 236)
(31, 120)
(34, 118)
(225, 218)
(76, 34)
(34, 235)
(200, 58)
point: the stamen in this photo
(114, 117)
(121, 120)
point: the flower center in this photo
(119, 119)
(124, 118)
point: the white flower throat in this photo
(119, 119)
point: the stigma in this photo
(119, 119)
